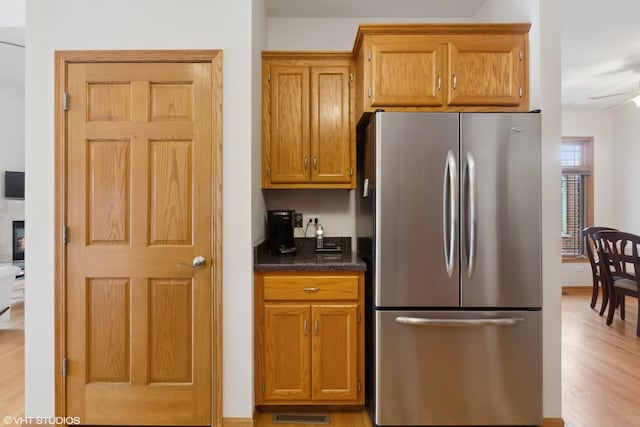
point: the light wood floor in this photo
(600, 364)
(12, 364)
(600, 368)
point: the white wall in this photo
(13, 13)
(626, 173)
(141, 24)
(599, 125)
(11, 159)
(259, 43)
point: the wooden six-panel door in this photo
(139, 168)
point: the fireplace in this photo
(18, 240)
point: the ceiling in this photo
(600, 40)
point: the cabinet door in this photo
(287, 334)
(330, 124)
(406, 71)
(486, 70)
(289, 120)
(335, 352)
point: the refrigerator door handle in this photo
(472, 218)
(450, 212)
(419, 321)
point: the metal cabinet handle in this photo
(311, 289)
(419, 321)
(439, 83)
(306, 162)
(304, 327)
(197, 262)
(315, 162)
(316, 327)
(450, 193)
(455, 82)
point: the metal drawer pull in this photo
(304, 327)
(458, 322)
(311, 289)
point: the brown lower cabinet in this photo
(309, 337)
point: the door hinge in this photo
(268, 171)
(358, 317)
(65, 367)
(65, 102)
(64, 234)
(370, 92)
(521, 92)
(350, 171)
(521, 55)
(269, 76)
(369, 56)
(359, 387)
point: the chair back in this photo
(7, 279)
(619, 251)
(590, 244)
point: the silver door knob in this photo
(197, 262)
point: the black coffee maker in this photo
(280, 232)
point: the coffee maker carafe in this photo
(280, 232)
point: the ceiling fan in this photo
(630, 95)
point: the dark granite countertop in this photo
(306, 259)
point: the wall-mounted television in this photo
(13, 185)
(18, 240)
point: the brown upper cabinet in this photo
(442, 67)
(308, 131)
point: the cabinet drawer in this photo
(310, 287)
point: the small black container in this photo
(280, 232)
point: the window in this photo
(576, 194)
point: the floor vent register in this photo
(318, 419)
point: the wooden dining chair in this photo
(596, 271)
(619, 254)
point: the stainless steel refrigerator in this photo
(449, 223)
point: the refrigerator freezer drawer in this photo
(450, 368)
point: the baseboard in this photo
(237, 422)
(577, 287)
(553, 422)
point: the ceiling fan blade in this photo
(622, 101)
(615, 94)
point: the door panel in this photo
(335, 352)
(407, 71)
(330, 120)
(289, 138)
(287, 358)
(411, 152)
(465, 374)
(139, 322)
(507, 271)
(486, 70)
